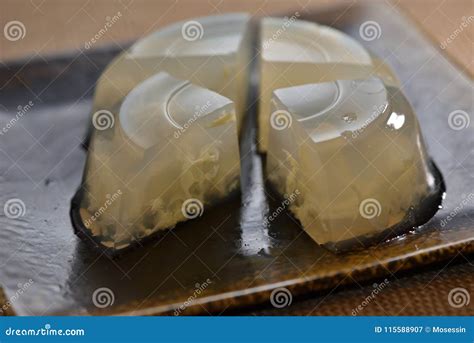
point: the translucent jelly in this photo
(354, 152)
(302, 52)
(337, 131)
(172, 151)
(212, 52)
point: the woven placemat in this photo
(413, 294)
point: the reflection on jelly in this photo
(396, 121)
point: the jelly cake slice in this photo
(353, 151)
(171, 153)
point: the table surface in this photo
(54, 26)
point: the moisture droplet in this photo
(349, 117)
(348, 135)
